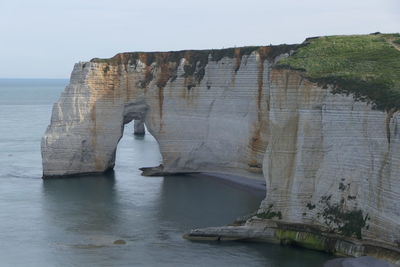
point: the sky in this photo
(44, 38)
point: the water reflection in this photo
(83, 216)
(87, 203)
(74, 222)
(196, 201)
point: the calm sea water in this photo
(74, 222)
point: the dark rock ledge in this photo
(301, 235)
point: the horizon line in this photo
(31, 78)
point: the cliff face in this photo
(207, 113)
(330, 162)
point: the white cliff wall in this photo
(216, 123)
(332, 162)
(213, 126)
(329, 161)
(76, 140)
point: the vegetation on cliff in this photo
(366, 66)
(195, 60)
(270, 214)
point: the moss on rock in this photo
(301, 239)
(270, 214)
(346, 222)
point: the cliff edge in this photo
(318, 121)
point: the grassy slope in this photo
(366, 66)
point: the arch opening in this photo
(135, 150)
(144, 148)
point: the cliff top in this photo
(196, 60)
(195, 55)
(367, 66)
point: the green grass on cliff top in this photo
(366, 66)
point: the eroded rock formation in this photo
(331, 163)
(206, 109)
(139, 128)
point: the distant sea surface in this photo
(74, 222)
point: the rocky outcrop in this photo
(205, 108)
(331, 163)
(139, 128)
(308, 236)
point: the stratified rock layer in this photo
(329, 161)
(205, 118)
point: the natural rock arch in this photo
(188, 115)
(224, 111)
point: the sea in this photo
(75, 221)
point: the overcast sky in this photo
(44, 38)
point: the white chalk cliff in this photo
(331, 164)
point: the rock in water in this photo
(365, 261)
(139, 128)
(119, 242)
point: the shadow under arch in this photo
(198, 200)
(86, 202)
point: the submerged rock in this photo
(119, 242)
(365, 261)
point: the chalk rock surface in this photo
(207, 115)
(328, 161)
